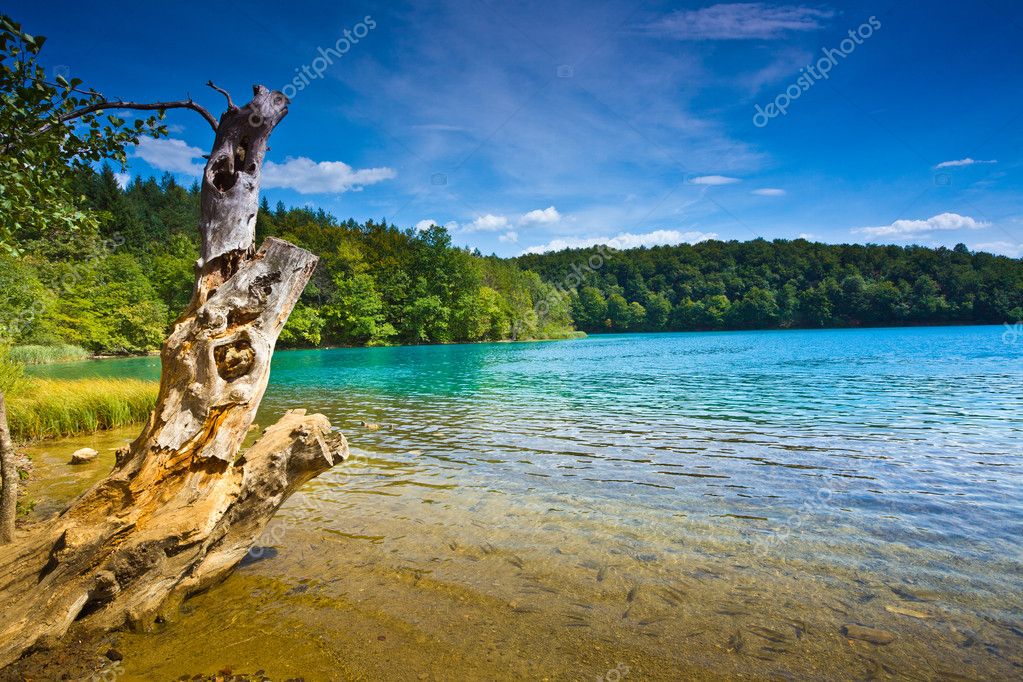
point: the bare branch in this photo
(92, 93)
(225, 93)
(145, 106)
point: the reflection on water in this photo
(671, 505)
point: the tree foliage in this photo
(781, 283)
(40, 147)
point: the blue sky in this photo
(536, 125)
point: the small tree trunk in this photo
(180, 509)
(8, 478)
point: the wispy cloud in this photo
(942, 222)
(713, 180)
(741, 21)
(170, 154)
(122, 179)
(509, 237)
(569, 145)
(962, 162)
(544, 216)
(306, 176)
(769, 192)
(783, 66)
(624, 240)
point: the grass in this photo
(44, 355)
(45, 408)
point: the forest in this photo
(782, 284)
(113, 284)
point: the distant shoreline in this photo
(583, 335)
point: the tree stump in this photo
(181, 508)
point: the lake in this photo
(649, 506)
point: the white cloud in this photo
(425, 224)
(122, 179)
(541, 216)
(713, 180)
(301, 174)
(169, 154)
(487, 223)
(509, 237)
(1011, 249)
(940, 222)
(769, 192)
(306, 176)
(625, 240)
(962, 162)
(740, 21)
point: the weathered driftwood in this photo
(180, 508)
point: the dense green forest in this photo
(114, 285)
(763, 285)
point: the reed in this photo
(45, 408)
(44, 355)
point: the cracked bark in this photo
(180, 508)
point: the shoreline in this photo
(584, 335)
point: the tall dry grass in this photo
(44, 408)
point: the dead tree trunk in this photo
(180, 508)
(8, 478)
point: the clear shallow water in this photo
(711, 505)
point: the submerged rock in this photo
(866, 634)
(905, 611)
(83, 456)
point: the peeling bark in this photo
(8, 478)
(181, 508)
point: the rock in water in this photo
(904, 611)
(872, 635)
(83, 456)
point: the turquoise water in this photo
(875, 468)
